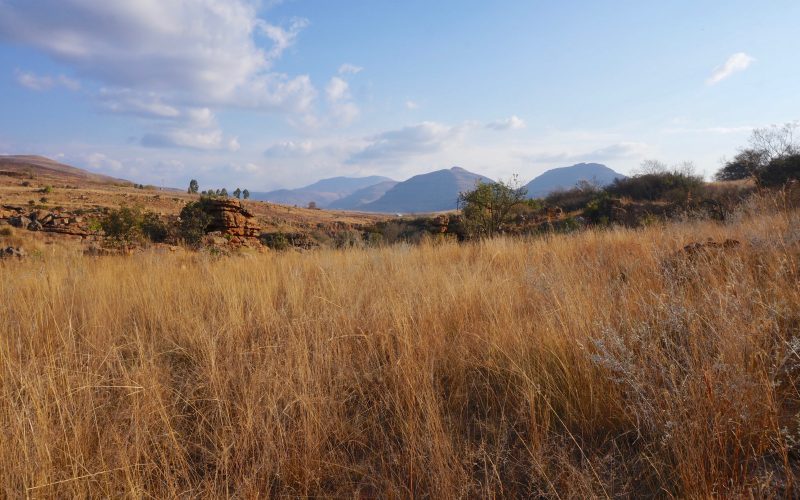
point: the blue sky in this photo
(267, 94)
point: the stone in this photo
(35, 226)
(229, 216)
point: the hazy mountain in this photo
(323, 192)
(361, 197)
(432, 192)
(567, 177)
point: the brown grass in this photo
(590, 365)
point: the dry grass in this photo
(587, 365)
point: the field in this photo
(606, 363)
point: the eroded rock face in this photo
(229, 216)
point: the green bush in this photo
(133, 225)
(194, 221)
(275, 241)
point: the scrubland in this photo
(603, 363)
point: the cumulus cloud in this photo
(414, 140)
(349, 69)
(736, 63)
(33, 81)
(412, 104)
(616, 151)
(511, 123)
(198, 53)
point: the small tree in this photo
(237, 192)
(245, 194)
(194, 187)
(223, 192)
(487, 208)
(194, 221)
(743, 166)
(312, 205)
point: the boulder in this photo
(229, 216)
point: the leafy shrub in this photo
(573, 199)
(194, 221)
(779, 171)
(669, 186)
(275, 241)
(133, 225)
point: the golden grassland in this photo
(595, 364)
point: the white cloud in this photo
(196, 53)
(289, 149)
(407, 142)
(621, 150)
(208, 140)
(101, 162)
(511, 123)
(35, 82)
(735, 63)
(341, 104)
(337, 89)
(349, 69)
(412, 104)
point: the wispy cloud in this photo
(616, 151)
(511, 123)
(736, 63)
(349, 69)
(414, 140)
(412, 104)
(33, 81)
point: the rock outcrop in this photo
(229, 216)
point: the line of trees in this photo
(194, 188)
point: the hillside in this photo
(567, 177)
(31, 166)
(323, 192)
(432, 192)
(357, 200)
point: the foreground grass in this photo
(594, 364)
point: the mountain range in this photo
(322, 193)
(432, 192)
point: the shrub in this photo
(6, 231)
(779, 171)
(572, 199)
(669, 186)
(275, 241)
(133, 225)
(194, 221)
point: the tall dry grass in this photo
(598, 364)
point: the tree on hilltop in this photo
(194, 187)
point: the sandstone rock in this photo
(229, 216)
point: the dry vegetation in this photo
(597, 364)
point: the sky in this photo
(267, 94)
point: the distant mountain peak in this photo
(568, 177)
